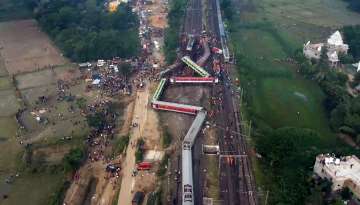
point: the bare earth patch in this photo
(25, 48)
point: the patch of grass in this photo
(139, 154)
(33, 189)
(166, 139)
(121, 144)
(58, 196)
(5, 83)
(281, 101)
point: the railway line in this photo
(237, 184)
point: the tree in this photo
(125, 69)
(287, 153)
(352, 37)
(96, 120)
(356, 80)
(84, 31)
(345, 193)
(73, 159)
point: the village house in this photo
(342, 172)
(334, 45)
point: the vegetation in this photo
(288, 155)
(58, 197)
(166, 139)
(354, 5)
(121, 144)
(343, 110)
(175, 16)
(154, 198)
(139, 154)
(352, 37)
(73, 159)
(290, 113)
(84, 30)
(81, 103)
(96, 120)
(228, 10)
(13, 10)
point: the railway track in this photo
(237, 186)
(237, 181)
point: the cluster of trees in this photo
(73, 159)
(352, 37)
(226, 6)
(288, 156)
(354, 5)
(171, 41)
(343, 110)
(85, 30)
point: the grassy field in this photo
(264, 35)
(33, 189)
(278, 96)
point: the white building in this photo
(342, 172)
(335, 45)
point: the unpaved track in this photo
(140, 116)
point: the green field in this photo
(264, 34)
(277, 95)
(33, 189)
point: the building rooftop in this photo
(345, 167)
(335, 39)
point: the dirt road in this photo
(140, 116)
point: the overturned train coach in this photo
(194, 80)
(176, 107)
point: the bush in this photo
(73, 159)
(346, 193)
(121, 144)
(347, 130)
(171, 41)
(81, 103)
(166, 139)
(58, 197)
(96, 120)
(139, 154)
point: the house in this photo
(342, 172)
(334, 45)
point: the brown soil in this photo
(158, 21)
(25, 48)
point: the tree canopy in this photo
(84, 30)
(354, 5)
(352, 37)
(288, 155)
